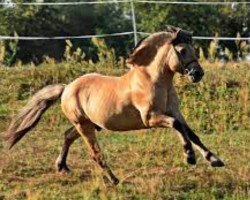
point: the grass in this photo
(149, 163)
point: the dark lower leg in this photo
(188, 149)
(70, 136)
(207, 154)
(98, 158)
(166, 121)
(189, 153)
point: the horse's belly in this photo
(127, 119)
(124, 122)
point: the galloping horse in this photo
(142, 98)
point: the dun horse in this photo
(142, 98)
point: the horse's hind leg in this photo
(69, 137)
(87, 131)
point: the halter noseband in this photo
(184, 67)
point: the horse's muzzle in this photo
(196, 75)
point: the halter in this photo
(184, 66)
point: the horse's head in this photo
(182, 56)
(171, 49)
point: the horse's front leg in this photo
(157, 120)
(207, 154)
(166, 121)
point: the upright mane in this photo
(147, 48)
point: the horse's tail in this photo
(30, 115)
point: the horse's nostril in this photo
(198, 73)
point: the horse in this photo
(142, 98)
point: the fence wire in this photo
(64, 37)
(195, 2)
(10, 4)
(72, 3)
(6, 2)
(207, 38)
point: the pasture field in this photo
(149, 163)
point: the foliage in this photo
(2, 52)
(104, 53)
(59, 21)
(73, 56)
(202, 57)
(213, 48)
(223, 95)
(30, 21)
(105, 56)
(201, 20)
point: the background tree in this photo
(206, 20)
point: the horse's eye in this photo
(183, 52)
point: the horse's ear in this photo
(142, 56)
(181, 36)
(173, 32)
(174, 36)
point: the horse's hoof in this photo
(217, 163)
(191, 160)
(64, 171)
(115, 181)
(62, 168)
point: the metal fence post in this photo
(134, 22)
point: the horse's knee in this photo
(156, 120)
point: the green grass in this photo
(149, 163)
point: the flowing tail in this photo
(31, 114)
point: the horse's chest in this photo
(160, 99)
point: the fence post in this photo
(134, 21)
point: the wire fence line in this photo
(10, 4)
(207, 37)
(194, 2)
(72, 3)
(64, 37)
(111, 35)
(122, 1)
